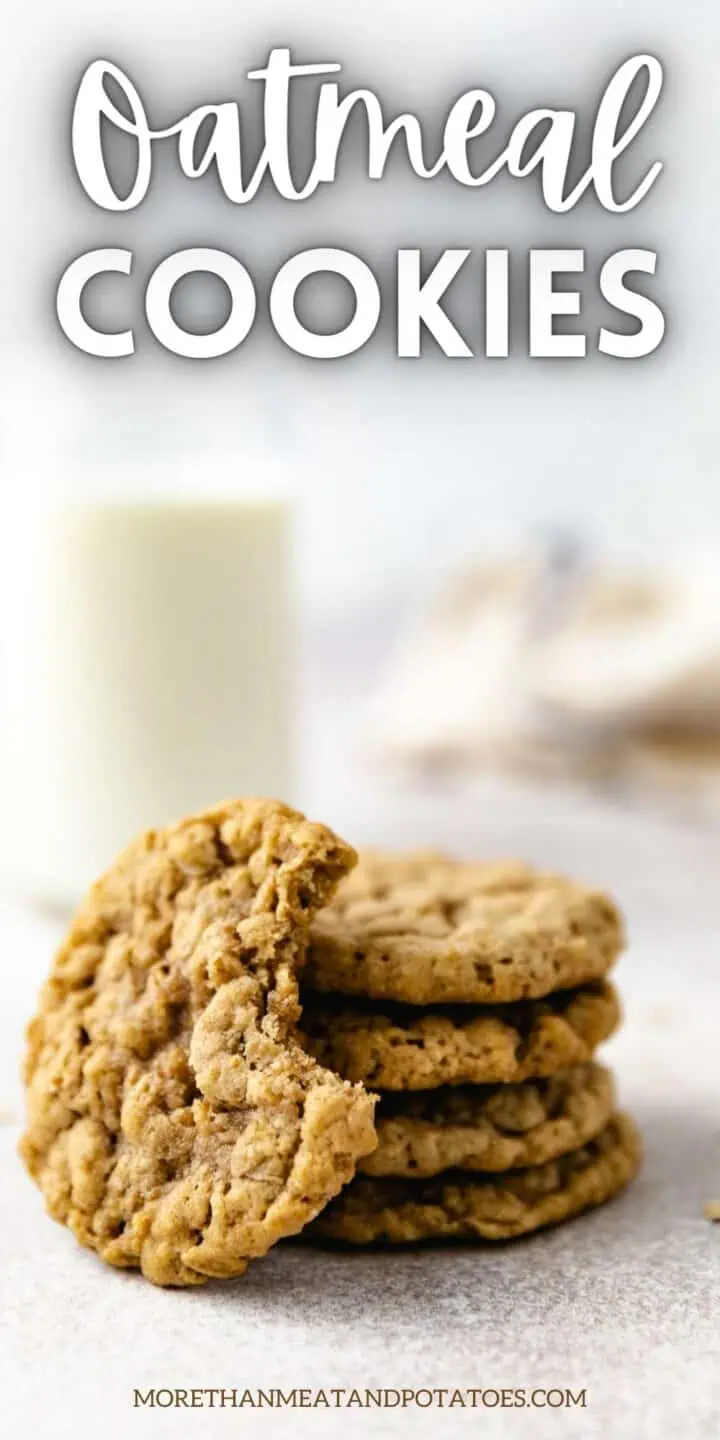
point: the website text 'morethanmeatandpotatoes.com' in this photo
(346, 1398)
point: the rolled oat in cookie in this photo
(489, 1127)
(174, 1121)
(457, 1206)
(424, 929)
(402, 1047)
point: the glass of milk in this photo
(145, 656)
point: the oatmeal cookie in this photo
(423, 929)
(499, 1207)
(398, 1047)
(489, 1127)
(174, 1122)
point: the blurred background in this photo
(474, 604)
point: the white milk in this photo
(146, 656)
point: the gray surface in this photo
(623, 1303)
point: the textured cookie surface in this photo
(495, 1127)
(398, 1047)
(463, 1207)
(424, 929)
(173, 1120)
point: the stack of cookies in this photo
(179, 1121)
(472, 998)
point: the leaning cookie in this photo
(424, 929)
(399, 1047)
(489, 1127)
(464, 1207)
(174, 1122)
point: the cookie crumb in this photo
(712, 1210)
